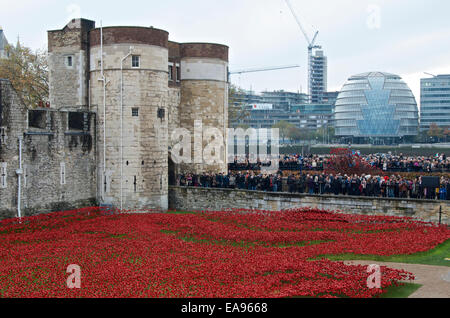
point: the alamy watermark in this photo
(74, 279)
(374, 18)
(374, 279)
(209, 146)
(446, 277)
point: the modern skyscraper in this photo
(318, 79)
(435, 101)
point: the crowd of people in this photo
(385, 162)
(394, 186)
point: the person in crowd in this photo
(291, 183)
(312, 178)
(384, 162)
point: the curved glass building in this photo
(376, 105)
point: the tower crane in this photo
(429, 74)
(264, 69)
(311, 45)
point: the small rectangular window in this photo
(76, 121)
(69, 61)
(37, 119)
(161, 114)
(25, 175)
(170, 72)
(178, 72)
(63, 173)
(3, 136)
(135, 61)
(3, 175)
(107, 185)
(79, 121)
(135, 112)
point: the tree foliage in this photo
(284, 128)
(27, 71)
(325, 133)
(236, 108)
(446, 132)
(435, 131)
(344, 161)
(295, 134)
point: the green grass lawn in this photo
(401, 291)
(404, 291)
(435, 256)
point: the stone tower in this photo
(129, 90)
(204, 95)
(141, 87)
(68, 60)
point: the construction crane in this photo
(311, 45)
(264, 69)
(254, 70)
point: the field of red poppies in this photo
(212, 254)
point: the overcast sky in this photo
(405, 37)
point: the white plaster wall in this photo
(204, 69)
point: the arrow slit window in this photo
(3, 175)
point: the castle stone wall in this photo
(143, 164)
(210, 199)
(44, 152)
(174, 96)
(120, 156)
(68, 82)
(204, 98)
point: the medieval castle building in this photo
(116, 95)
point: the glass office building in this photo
(435, 102)
(376, 106)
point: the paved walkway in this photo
(435, 280)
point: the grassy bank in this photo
(401, 291)
(436, 256)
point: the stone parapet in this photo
(211, 199)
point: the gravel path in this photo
(435, 280)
